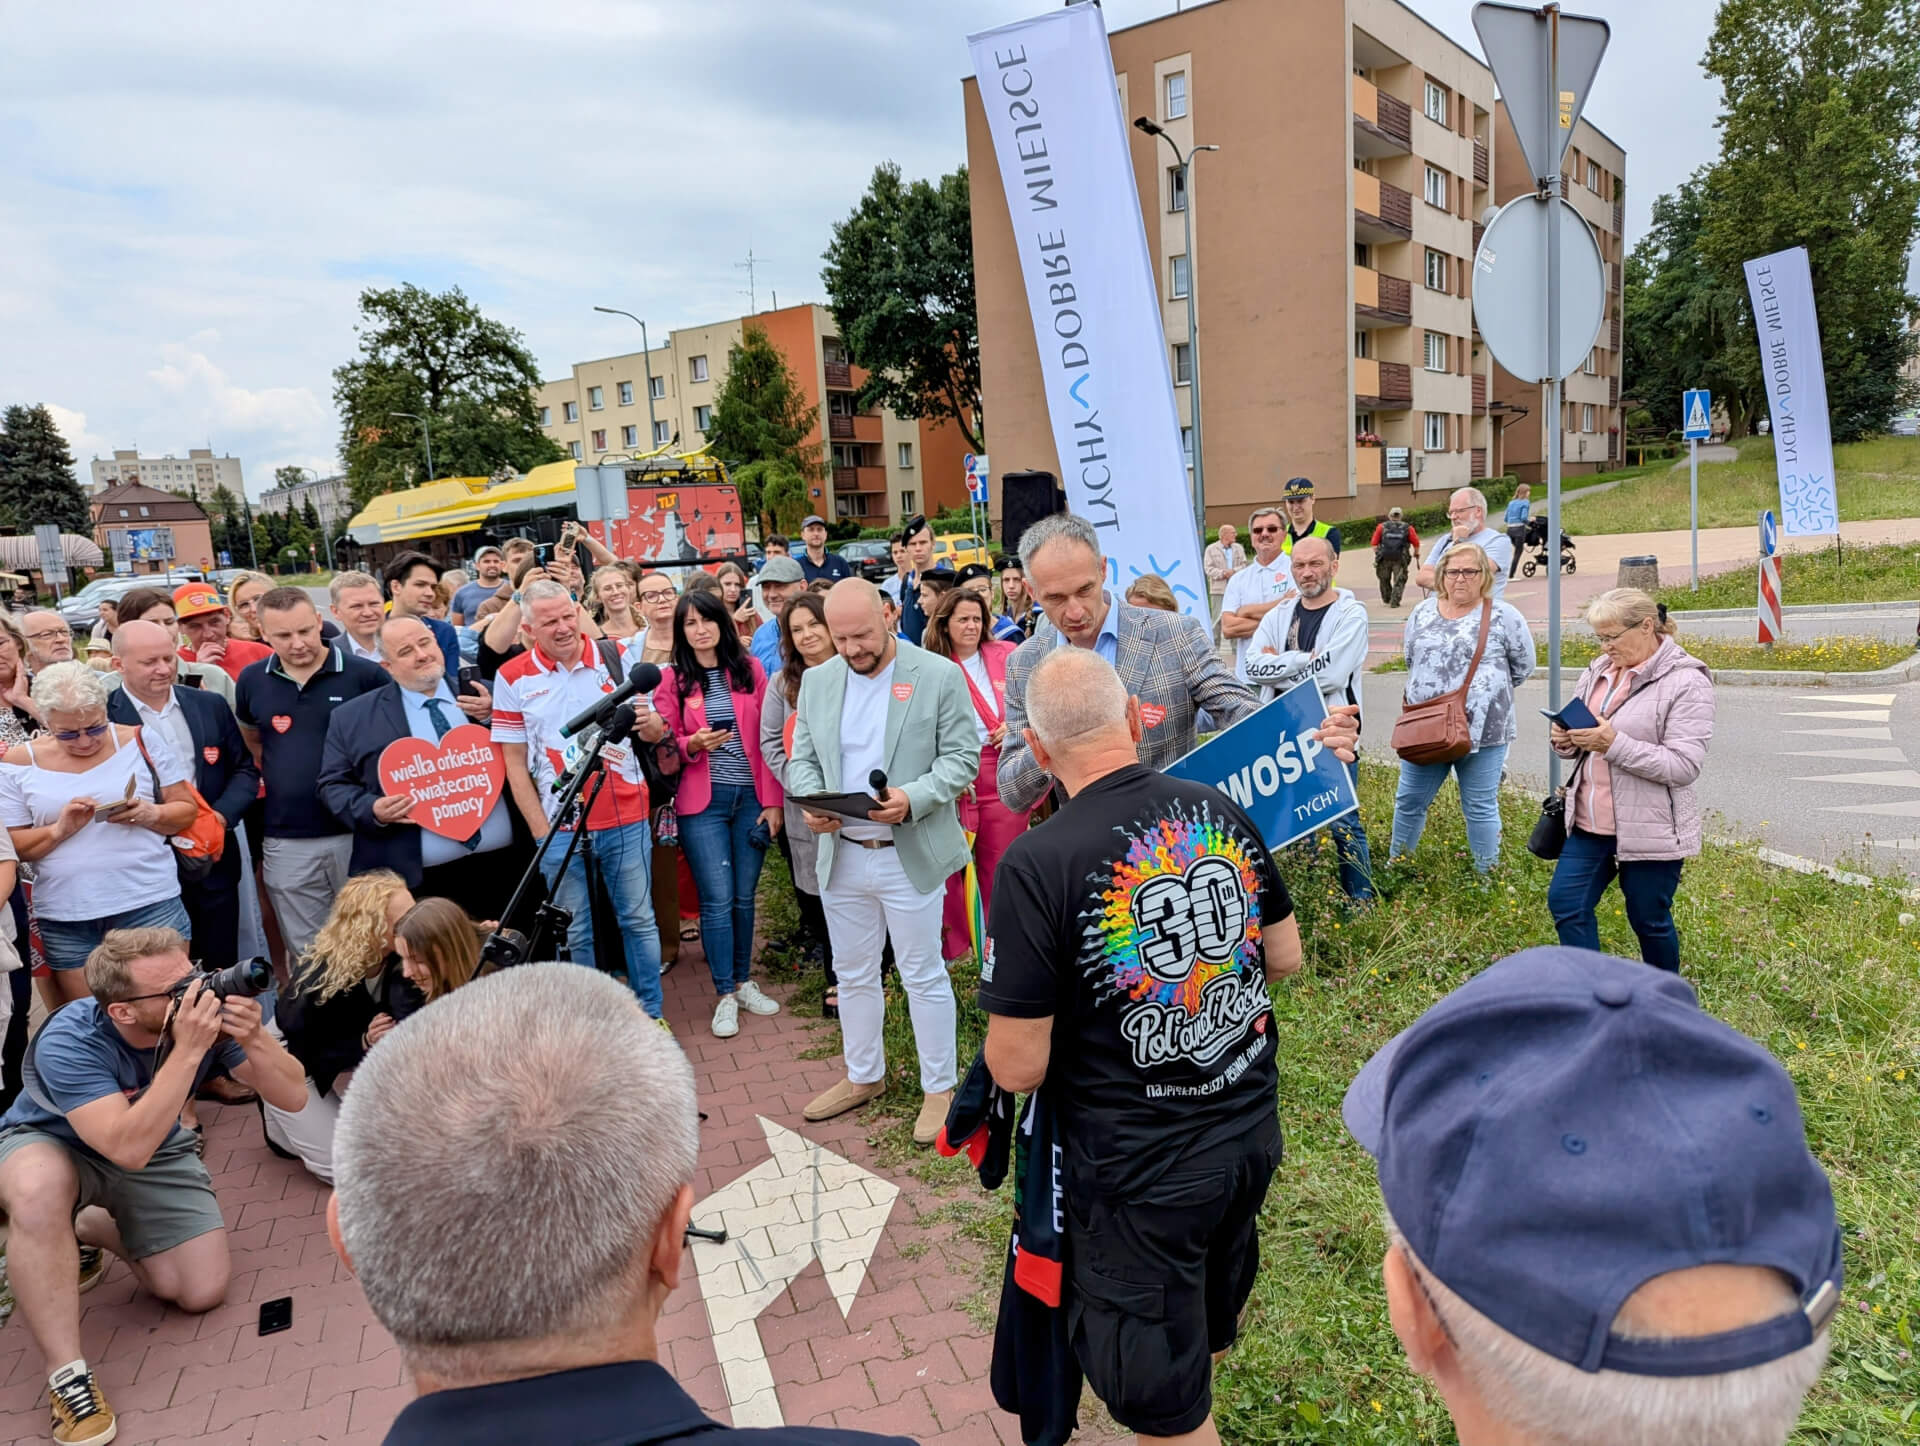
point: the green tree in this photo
(899, 276)
(1686, 321)
(37, 483)
(438, 357)
(1820, 147)
(311, 516)
(760, 416)
(773, 488)
(289, 476)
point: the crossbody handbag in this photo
(198, 846)
(1437, 730)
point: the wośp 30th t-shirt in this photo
(1133, 919)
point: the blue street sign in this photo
(1288, 784)
(226, 558)
(1769, 534)
(1696, 415)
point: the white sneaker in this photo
(726, 1017)
(753, 1001)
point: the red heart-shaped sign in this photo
(1153, 714)
(281, 723)
(1260, 1025)
(903, 691)
(454, 783)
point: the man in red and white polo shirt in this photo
(534, 695)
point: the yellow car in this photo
(957, 549)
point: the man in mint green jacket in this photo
(884, 705)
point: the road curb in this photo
(1763, 678)
(1683, 615)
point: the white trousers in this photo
(871, 897)
(308, 1132)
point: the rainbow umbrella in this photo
(976, 914)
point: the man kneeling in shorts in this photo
(93, 1148)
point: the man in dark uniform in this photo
(918, 537)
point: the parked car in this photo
(82, 610)
(871, 558)
(957, 549)
(756, 557)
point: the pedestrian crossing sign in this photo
(1696, 410)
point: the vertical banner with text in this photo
(1053, 107)
(1782, 292)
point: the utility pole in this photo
(646, 365)
(426, 432)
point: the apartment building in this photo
(331, 497)
(1593, 178)
(880, 468)
(1333, 232)
(199, 471)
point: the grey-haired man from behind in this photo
(471, 1199)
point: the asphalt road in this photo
(1831, 775)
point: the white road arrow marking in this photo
(1888, 778)
(1860, 715)
(1847, 700)
(1864, 755)
(1885, 735)
(804, 1204)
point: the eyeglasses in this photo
(48, 637)
(1604, 639)
(166, 993)
(1456, 515)
(654, 594)
(1461, 572)
(68, 735)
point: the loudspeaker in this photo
(1025, 498)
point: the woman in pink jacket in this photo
(1631, 809)
(728, 801)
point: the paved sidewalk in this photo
(906, 1357)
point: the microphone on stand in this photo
(644, 678)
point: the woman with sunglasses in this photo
(92, 804)
(728, 801)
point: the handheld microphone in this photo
(877, 781)
(643, 678)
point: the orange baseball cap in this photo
(191, 600)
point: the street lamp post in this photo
(1145, 124)
(326, 525)
(426, 432)
(646, 365)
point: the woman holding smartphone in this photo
(728, 801)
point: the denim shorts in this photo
(66, 942)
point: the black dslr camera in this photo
(247, 979)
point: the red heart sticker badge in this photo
(903, 691)
(211, 753)
(281, 723)
(1153, 714)
(1260, 1025)
(454, 783)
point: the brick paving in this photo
(907, 1358)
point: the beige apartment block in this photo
(1593, 179)
(199, 471)
(880, 469)
(1333, 232)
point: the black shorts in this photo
(1158, 1281)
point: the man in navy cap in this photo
(816, 561)
(1605, 1223)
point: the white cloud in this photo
(197, 383)
(84, 443)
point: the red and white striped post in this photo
(1772, 624)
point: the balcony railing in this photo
(1479, 463)
(1368, 466)
(840, 428)
(839, 374)
(1381, 385)
(846, 479)
(1613, 391)
(1387, 298)
(1479, 393)
(1478, 232)
(1381, 207)
(1616, 334)
(1619, 219)
(1384, 123)
(1479, 162)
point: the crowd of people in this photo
(953, 764)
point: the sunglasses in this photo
(68, 735)
(1265, 531)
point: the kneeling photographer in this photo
(93, 1147)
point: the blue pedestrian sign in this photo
(1288, 784)
(1696, 415)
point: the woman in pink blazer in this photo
(728, 800)
(961, 629)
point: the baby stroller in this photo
(1536, 548)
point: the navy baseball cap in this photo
(1297, 487)
(1566, 1126)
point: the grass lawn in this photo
(1822, 973)
(1826, 655)
(1889, 572)
(1880, 478)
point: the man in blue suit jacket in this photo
(197, 725)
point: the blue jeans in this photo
(67, 942)
(1479, 775)
(1586, 866)
(624, 859)
(726, 871)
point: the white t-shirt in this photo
(1257, 582)
(976, 667)
(863, 740)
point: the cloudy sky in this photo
(194, 195)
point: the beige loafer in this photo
(933, 1116)
(843, 1097)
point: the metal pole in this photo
(326, 528)
(1693, 503)
(426, 434)
(1193, 348)
(246, 506)
(646, 365)
(1550, 189)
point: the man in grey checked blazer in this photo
(1165, 659)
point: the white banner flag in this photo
(1782, 291)
(1053, 107)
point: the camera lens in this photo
(248, 978)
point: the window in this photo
(1590, 365)
(546, 416)
(1362, 254)
(1435, 439)
(1186, 446)
(1180, 277)
(143, 511)
(1436, 106)
(1182, 363)
(697, 368)
(574, 447)
(626, 394)
(1586, 416)
(657, 388)
(907, 503)
(600, 441)
(571, 411)
(846, 454)
(1176, 95)
(1363, 422)
(662, 433)
(1176, 188)
(594, 403)
(839, 404)
(1593, 177)
(1436, 351)
(1436, 270)
(1436, 187)
(906, 456)
(1362, 344)
(703, 419)
(629, 436)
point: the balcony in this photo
(839, 428)
(859, 479)
(1619, 219)
(1616, 334)
(1381, 386)
(1381, 210)
(1613, 391)
(1478, 232)
(839, 374)
(1380, 300)
(1479, 463)
(1480, 166)
(1382, 124)
(1479, 394)
(1369, 466)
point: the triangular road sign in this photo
(1518, 42)
(1697, 417)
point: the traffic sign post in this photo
(1696, 412)
(1543, 65)
(53, 562)
(1772, 619)
(976, 466)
